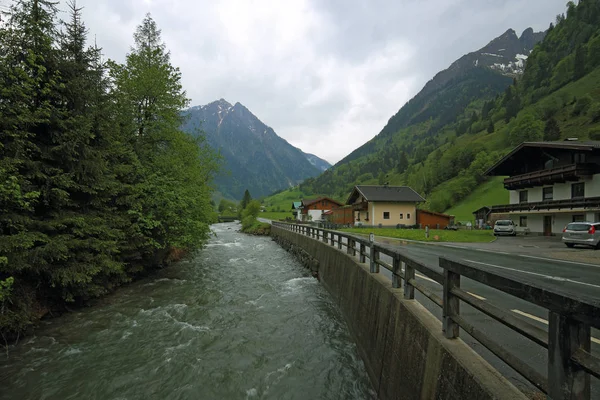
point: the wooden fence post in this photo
(451, 305)
(409, 290)
(362, 253)
(565, 379)
(396, 270)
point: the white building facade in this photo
(551, 184)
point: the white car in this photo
(505, 227)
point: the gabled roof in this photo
(482, 208)
(296, 205)
(385, 193)
(499, 169)
(306, 203)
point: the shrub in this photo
(582, 105)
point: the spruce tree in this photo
(490, 128)
(551, 130)
(171, 179)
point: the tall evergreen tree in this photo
(551, 130)
(245, 200)
(490, 128)
(171, 179)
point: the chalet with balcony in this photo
(551, 184)
(385, 205)
(314, 209)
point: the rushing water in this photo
(242, 320)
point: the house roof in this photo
(435, 213)
(502, 167)
(296, 205)
(482, 208)
(385, 193)
(307, 203)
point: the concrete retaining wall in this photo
(400, 342)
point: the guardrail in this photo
(568, 339)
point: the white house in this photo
(551, 184)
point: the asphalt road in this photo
(564, 276)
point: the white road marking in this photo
(476, 296)
(555, 278)
(543, 321)
(426, 278)
(560, 261)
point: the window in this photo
(523, 221)
(548, 193)
(386, 215)
(358, 216)
(367, 216)
(407, 215)
(523, 196)
(578, 218)
(577, 190)
(401, 216)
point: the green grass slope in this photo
(489, 193)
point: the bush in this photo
(594, 112)
(594, 134)
(582, 105)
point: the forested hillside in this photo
(441, 143)
(97, 182)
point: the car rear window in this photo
(503, 223)
(578, 227)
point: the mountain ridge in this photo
(254, 156)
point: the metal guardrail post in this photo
(332, 238)
(451, 305)
(566, 380)
(372, 266)
(325, 237)
(339, 241)
(397, 265)
(409, 290)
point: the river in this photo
(240, 320)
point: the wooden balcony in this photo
(572, 172)
(550, 205)
(364, 206)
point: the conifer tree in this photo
(551, 130)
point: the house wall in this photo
(432, 220)
(376, 210)
(561, 191)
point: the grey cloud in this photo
(325, 74)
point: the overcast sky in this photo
(326, 75)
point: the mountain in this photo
(255, 158)
(484, 73)
(321, 164)
(468, 116)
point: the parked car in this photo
(585, 233)
(505, 227)
(451, 227)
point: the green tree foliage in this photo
(245, 200)
(582, 105)
(490, 128)
(526, 128)
(594, 113)
(250, 213)
(97, 182)
(551, 130)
